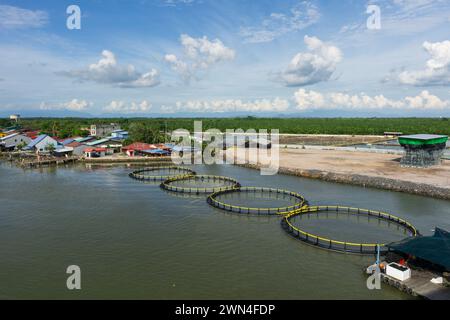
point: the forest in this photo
(150, 129)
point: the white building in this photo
(11, 141)
(103, 130)
(42, 142)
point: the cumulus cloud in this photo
(107, 70)
(231, 105)
(73, 105)
(17, 18)
(311, 67)
(199, 54)
(437, 68)
(300, 16)
(306, 100)
(133, 107)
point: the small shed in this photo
(433, 250)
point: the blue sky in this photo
(220, 57)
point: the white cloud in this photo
(18, 18)
(311, 100)
(437, 69)
(314, 66)
(300, 16)
(231, 105)
(199, 54)
(73, 105)
(107, 70)
(133, 107)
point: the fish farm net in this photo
(257, 200)
(372, 227)
(199, 184)
(161, 173)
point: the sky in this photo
(225, 57)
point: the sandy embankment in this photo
(361, 168)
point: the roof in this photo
(65, 149)
(423, 136)
(95, 150)
(139, 146)
(156, 151)
(39, 138)
(96, 142)
(434, 249)
(74, 144)
(9, 136)
(67, 141)
(88, 138)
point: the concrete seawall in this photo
(367, 181)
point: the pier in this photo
(47, 162)
(419, 285)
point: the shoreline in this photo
(396, 185)
(366, 169)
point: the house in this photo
(78, 148)
(103, 130)
(94, 152)
(136, 148)
(112, 145)
(10, 142)
(119, 134)
(41, 143)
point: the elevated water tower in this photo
(14, 117)
(422, 150)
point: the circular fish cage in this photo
(342, 246)
(189, 184)
(154, 173)
(282, 210)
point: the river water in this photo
(134, 241)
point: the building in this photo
(41, 143)
(112, 145)
(422, 150)
(95, 152)
(103, 130)
(10, 142)
(119, 134)
(78, 148)
(140, 148)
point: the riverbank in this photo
(377, 170)
(125, 159)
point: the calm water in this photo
(133, 240)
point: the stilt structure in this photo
(422, 150)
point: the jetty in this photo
(35, 163)
(419, 285)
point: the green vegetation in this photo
(149, 129)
